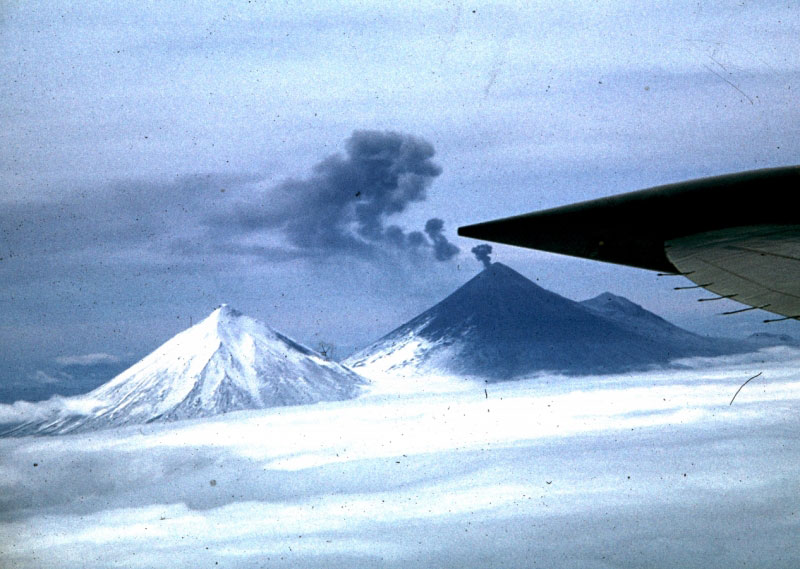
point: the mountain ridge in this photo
(500, 325)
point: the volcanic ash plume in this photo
(482, 253)
(344, 206)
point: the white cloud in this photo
(87, 359)
(49, 379)
(56, 406)
(564, 471)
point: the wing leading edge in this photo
(736, 235)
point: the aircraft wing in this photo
(736, 235)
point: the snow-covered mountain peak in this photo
(223, 317)
(226, 362)
(226, 313)
(634, 317)
(231, 330)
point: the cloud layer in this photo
(562, 472)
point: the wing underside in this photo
(757, 266)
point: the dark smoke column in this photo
(347, 203)
(443, 250)
(482, 253)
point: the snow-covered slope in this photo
(500, 325)
(225, 363)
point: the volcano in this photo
(227, 362)
(501, 326)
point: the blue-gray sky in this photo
(157, 157)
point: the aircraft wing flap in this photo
(758, 266)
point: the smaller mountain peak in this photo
(611, 301)
(613, 305)
(609, 298)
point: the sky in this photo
(310, 165)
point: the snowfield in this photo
(227, 362)
(650, 469)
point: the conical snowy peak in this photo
(500, 325)
(224, 317)
(222, 322)
(226, 362)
